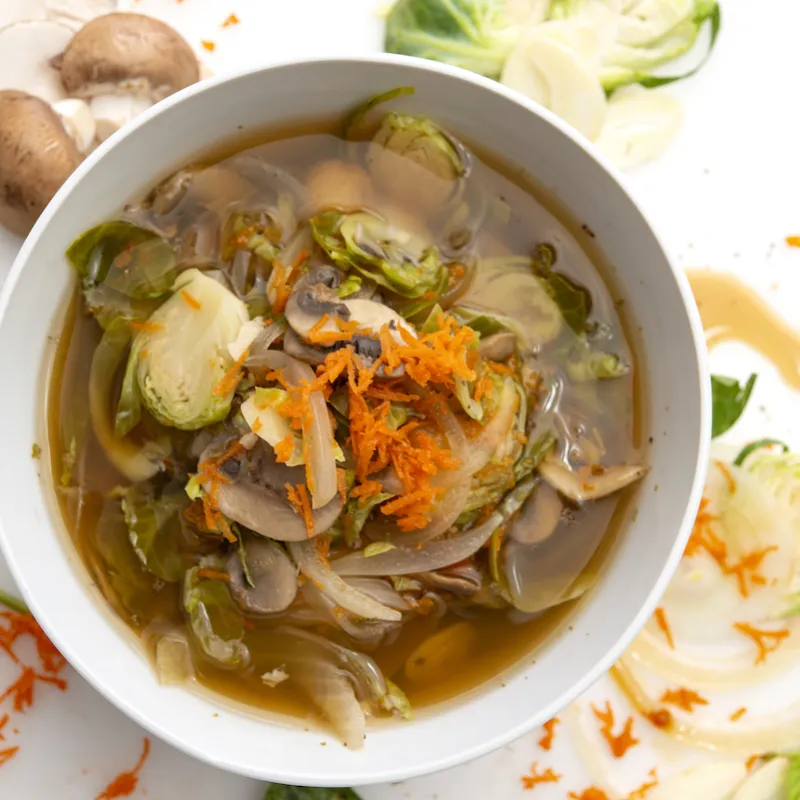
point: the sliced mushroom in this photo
(498, 346)
(26, 51)
(36, 156)
(255, 495)
(463, 581)
(127, 54)
(273, 575)
(588, 483)
(309, 304)
(539, 517)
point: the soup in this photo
(342, 421)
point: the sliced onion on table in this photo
(640, 125)
(712, 781)
(408, 560)
(318, 435)
(742, 739)
(311, 563)
(766, 783)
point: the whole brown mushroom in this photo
(129, 53)
(36, 156)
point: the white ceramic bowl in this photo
(51, 575)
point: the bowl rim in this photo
(423, 766)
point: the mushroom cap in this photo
(127, 52)
(36, 156)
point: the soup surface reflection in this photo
(341, 422)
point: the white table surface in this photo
(724, 197)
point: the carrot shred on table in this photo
(793, 241)
(298, 497)
(663, 625)
(686, 699)
(660, 718)
(190, 300)
(738, 714)
(546, 742)
(231, 19)
(208, 45)
(766, 641)
(22, 689)
(641, 792)
(7, 754)
(748, 765)
(731, 481)
(124, 785)
(536, 777)
(618, 744)
(748, 566)
(592, 793)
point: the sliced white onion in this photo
(409, 560)
(555, 76)
(317, 569)
(647, 21)
(714, 781)
(318, 435)
(640, 124)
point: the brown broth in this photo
(608, 410)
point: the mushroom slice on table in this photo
(26, 51)
(36, 156)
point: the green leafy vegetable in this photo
(382, 252)
(353, 120)
(751, 448)
(357, 514)
(280, 792)
(129, 407)
(185, 378)
(482, 322)
(793, 778)
(216, 622)
(573, 300)
(477, 35)
(376, 548)
(9, 601)
(350, 285)
(124, 257)
(587, 364)
(728, 399)
(154, 527)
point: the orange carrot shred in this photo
(8, 754)
(232, 19)
(622, 742)
(210, 46)
(150, 327)
(641, 792)
(728, 476)
(546, 742)
(686, 699)
(125, 783)
(298, 497)
(536, 777)
(341, 483)
(592, 793)
(663, 625)
(738, 714)
(190, 300)
(766, 641)
(793, 241)
(213, 575)
(232, 377)
(751, 761)
(284, 449)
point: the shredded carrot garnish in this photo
(546, 742)
(738, 714)
(298, 497)
(284, 449)
(281, 290)
(500, 369)
(22, 689)
(7, 754)
(367, 489)
(341, 483)
(703, 537)
(150, 327)
(622, 742)
(728, 476)
(638, 794)
(190, 300)
(232, 19)
(686, 699)
(748, 566)
(793, 241)
(210, 46)
(661, 620)
(536, 777)
(592, 793)
(125, 783)
(213, 575)
(318, 336)
(750, 762)
(483, 388)
(766, 641)
(232, 377)
(661, 718)
(257, 425)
